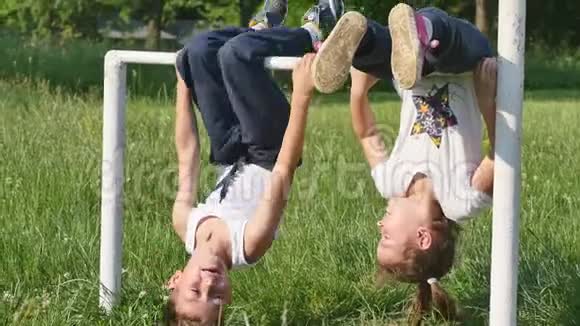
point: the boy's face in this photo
(202, 286)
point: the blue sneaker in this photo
(273, 14)
(324, 15)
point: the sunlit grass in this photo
(319, 272)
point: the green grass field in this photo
(319, 272)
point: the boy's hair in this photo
(422, 265)
(171, 318)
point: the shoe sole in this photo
(331, 65)
(406, 61)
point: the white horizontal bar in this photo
(449, 75)
(281, 63)
(168, 58)
(143, 57)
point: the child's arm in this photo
(188, 157)
(485, 81)
(261, 229)
(363, 119)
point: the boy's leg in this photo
(260, 106)
(198, 66)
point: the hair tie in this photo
(432, 280)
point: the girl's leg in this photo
(260, 106)
(373, 55)
(332, 63)
(197, 64)
(356, 41)
(461, 44)
(430, 40)
(461, 47)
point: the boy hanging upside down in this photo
(256, 139)
(434, 177)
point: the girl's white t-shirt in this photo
(440, 136)
(238, 206)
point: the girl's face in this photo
(403, 227)
(202, 286)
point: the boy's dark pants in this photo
(461, 46)
(244, 111)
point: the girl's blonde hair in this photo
(423, 265)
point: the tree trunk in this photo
(153, 40)
(153, 35)
(481, 19)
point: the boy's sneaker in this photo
(273, 14)
(331, 66)
(410, 43)
(324, 16)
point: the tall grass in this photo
(77, 65)
(548, 68)
(321, 269)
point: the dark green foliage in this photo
(41, 60)
(549, 22)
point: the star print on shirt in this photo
(433, 114)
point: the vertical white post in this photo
(112, 180)
(507, 180)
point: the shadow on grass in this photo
(552, 272)
(548, 282)
(571, 316)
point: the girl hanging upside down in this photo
(434, 177)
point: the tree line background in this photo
(62, 42)
(549, 23)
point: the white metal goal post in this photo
(507, 177)
(505, 230)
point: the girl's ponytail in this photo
(443, 303)
(430, 294)
(421, 303)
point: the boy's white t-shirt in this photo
(238, 206)
(440, 136)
